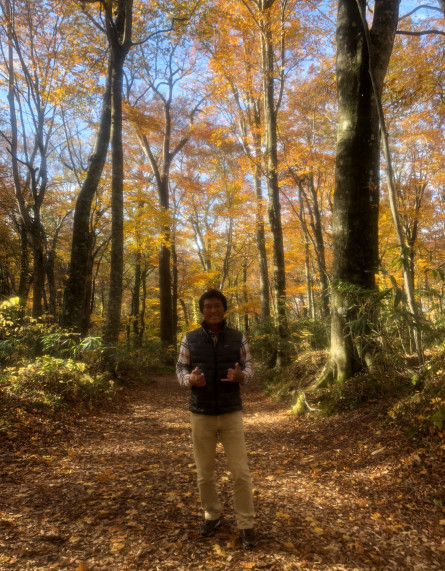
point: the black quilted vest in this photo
(215, 397)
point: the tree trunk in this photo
(52, 291)
(185, 312)
(271, 167)
(35, 181)
(135, 300)
(262, 253)
(111, 334)
(89, 288)
(165, 282)
(24, 266)
(307, 269)
(143, 300)
(376, 74)
(317, 230)
(245, 298)
(161, 171)
(75, 299)
(260, 230)
(174, 288)
(38, 277)
(356, 196)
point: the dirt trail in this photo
(116, 491)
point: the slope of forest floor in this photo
(115, 490)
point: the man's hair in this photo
(212, 294)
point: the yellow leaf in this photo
(82, 566)
(247, 564)
(283, 515)
(117, 545)
(376, 515)
(217, 549)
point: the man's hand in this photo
(197, 379)
(234, 375)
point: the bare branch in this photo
(89, 16)
(424, 6)
(421, 33)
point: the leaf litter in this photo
(115, 490)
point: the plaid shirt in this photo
(184, 366)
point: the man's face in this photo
(213, 312)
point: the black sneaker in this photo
(209, 526)
(248, 537)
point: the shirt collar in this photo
(214, 333)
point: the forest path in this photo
(116, 490)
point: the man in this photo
(214, 360)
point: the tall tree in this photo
(165, 64)
(236, 70)
(356, 196)
(270, 17)
(31, 59)
(75, 313)
(116, 23)
(119, 22)
(307, 136)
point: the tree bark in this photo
(175, 280)
(119, 29)
(165, 281)
(271, 168)
(111, 333)
(356, 196)
(135, 300)
(24, 266)
(260, 229)
(76, 300)
(317, 230)
(34, 182)
(161, 171)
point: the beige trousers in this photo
(228, 429)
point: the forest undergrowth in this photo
(113, 488)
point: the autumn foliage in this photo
(221, 184)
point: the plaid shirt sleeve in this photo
(184, 368)
(246, 361)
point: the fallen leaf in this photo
(219, 551)
(283, 515)
(377, 451)
(116, 545)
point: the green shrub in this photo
(309, 335)
(354, 392)
(45, 365)
(152, 355)
(263, 342)
(423, 410)
(56, 382)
